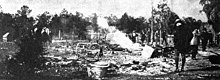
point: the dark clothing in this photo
(204, 44)
(143, 37)
(205, 38)
(133, 37)
(181, 40)
(194, 49)
(217, 40)
(210, 38)
(164, 38)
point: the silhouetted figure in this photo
(133, 38)
(164, 38)
(194, 43)
(210, 33)
(143, 37)
(204, 37)
(181, 42)
(210, 39)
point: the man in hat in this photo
(181, 42)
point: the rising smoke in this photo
(117, 37)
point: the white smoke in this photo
(117, 37)
(102, 22)
(114, 36)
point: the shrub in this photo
(30, 58)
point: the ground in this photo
(195, 69)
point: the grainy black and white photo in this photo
(109, 39)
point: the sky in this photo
(136, 8)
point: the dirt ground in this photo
(200, 69)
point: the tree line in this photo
(19, 23)
(76, 24)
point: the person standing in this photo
(194, 43)
(134, 35)
(204, 38)
(143, 37)
(181, 42)
(164, 37)
(211, 33)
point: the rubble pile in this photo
(8, 48)
(153, 66)
(60, 48)
(123, 61)
(61, 61)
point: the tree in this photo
(43, 20)
(80, 25)
(55, 25)
(212, 11)
(167, 17)
(21, 22)
(6, 26)
(24, 11)
(30, 58)
(129, 24)
(95, 22)
(162, 19)
(112, 20)
(140, 24)
(124, 23)
(69, 24)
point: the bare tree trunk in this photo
(152, 33)
(1, 34)
(152, 26)
(59, 34)
(160, 34)
(1, 29)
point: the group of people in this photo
(186, 41)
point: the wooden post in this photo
(152, 26)
(59, 34)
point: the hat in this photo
(178, 24)
(177, 20)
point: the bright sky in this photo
(135, 8)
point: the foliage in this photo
(6, 25)
(43, 20)
(164, 18)
(24, 11)
(130, 24)
(112, 20)
(212, 11)
(80, 25)
(69, 23)
(30, 58)
(124, 23)
(21, 22)
(16, 24)
(95, 22)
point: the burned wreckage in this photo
(101, 58)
